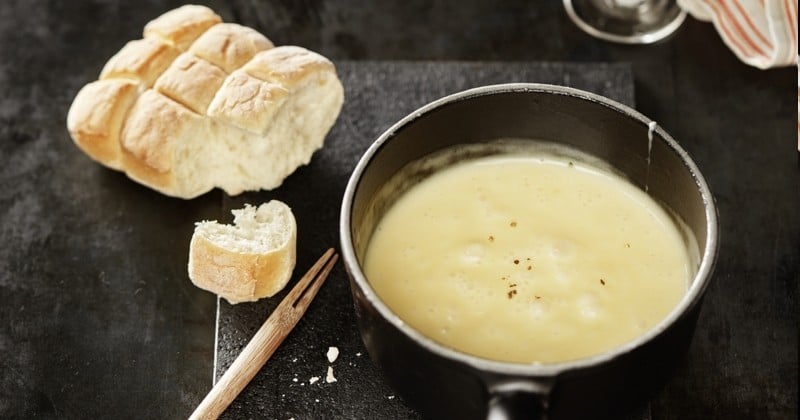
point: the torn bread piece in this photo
(249, 260)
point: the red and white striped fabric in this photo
(762, 33)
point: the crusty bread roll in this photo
(198, 104)
(249, 260)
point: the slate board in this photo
(377, 94)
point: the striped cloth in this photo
(762, 33)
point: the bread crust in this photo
(148, 140)
(239, 277)
(233, 111)
(95, 119)
(220, 271)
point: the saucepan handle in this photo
(519, 399)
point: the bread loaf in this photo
(198, 104)
(249, 260)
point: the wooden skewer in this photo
(266, 340)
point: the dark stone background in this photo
(98, 319)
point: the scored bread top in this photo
(191, 81)
(228, 45)
(194, 85)
(247, 102)
(180, 27)
(287, 65)
(142, 60)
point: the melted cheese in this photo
(528, 259)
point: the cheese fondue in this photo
(528, 258)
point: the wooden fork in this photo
(266, 340)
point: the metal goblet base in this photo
(626, 21)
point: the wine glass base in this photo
(626, 22)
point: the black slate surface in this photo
(137, 341)
(377, 94)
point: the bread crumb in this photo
(329, 377)
(332, 354)
(391, 397)
(358, 354)
(294, 379)
(313, 380)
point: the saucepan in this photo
(441, 382)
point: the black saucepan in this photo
(443, 383)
